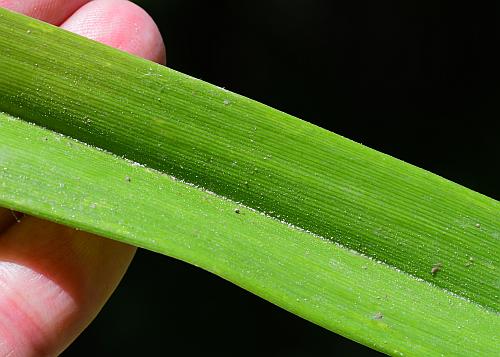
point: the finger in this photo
(120, 24)
(53, 280)
(52, 11)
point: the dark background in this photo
(416, 80)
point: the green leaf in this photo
(356, 241)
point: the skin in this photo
(54, 279)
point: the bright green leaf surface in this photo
(246, 152)
(68, 182)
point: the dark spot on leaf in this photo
(436, 268)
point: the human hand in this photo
(54, 279)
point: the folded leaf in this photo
(359, 242)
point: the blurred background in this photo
(416, 80)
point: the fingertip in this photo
(120, 24)
(51, 11)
